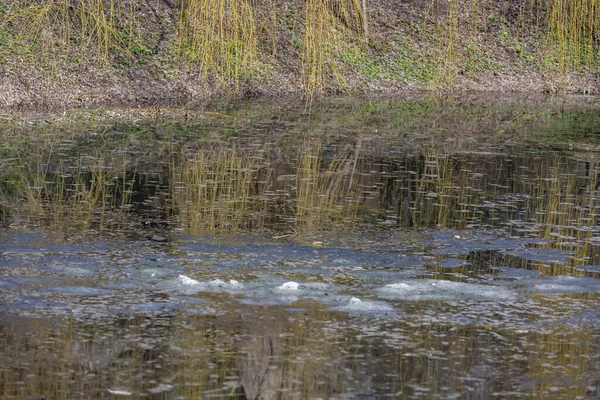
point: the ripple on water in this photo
(459, 243)
(586, 318)
(67, 270)
(152, 274)
(514, 273)
(6, 284)
(77, 290)
(451, 263)
(34, 302)
(552, 256)
(589, 268)
(254, 255)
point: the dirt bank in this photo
(406, 47)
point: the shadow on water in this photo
(408, 248)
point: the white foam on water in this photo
(236, 284)
(188, 285)
(186, 280)
(289, 286)
(432, 289)
(217, 283)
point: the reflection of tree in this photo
(291, 357)
(259, 374)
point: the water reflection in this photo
(369, 249)
(219, 191)
(297, 354)
(254, 179)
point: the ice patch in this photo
(78, 291)
(431, 289)
(63, 269)
(551, 256)
(561, 284)
(400, 286)
(271, 291)
(354, 304)
(220, 284)
(514, 273)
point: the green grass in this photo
(355, 57)
(414, 64)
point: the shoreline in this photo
(19, 94)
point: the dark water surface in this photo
(372, 248)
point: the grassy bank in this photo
(70, 52)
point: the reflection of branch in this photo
(287, 234)
(356, 152)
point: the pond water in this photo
(413, 248)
